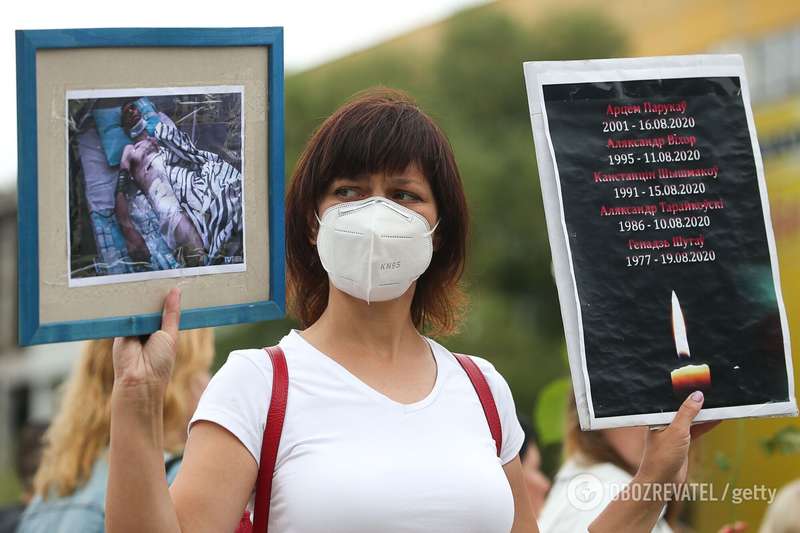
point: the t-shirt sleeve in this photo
(237, 398)
(513, 435)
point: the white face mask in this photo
(374, 249)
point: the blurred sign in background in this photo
(465, 69)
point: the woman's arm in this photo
(137, 481)
(217, 474)
(524, 521)
(215, 480)
(629, 515)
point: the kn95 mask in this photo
(374, 249)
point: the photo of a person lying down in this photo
(155, 184)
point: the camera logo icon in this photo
(585, 492)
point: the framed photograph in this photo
(662, 241)
(148, 158)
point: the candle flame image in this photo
(679, 328)
(688, 377)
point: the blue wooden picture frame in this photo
(31, 331)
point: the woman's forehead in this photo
(410, 176)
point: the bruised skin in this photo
(146, 165)
(137, 247)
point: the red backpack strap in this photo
(485, 396)
(272, 437)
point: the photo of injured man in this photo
(155, 183)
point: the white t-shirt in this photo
(353, 460)
(579, 494)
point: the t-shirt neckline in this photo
(369, 390)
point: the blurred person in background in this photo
(608, 459)
(598, 464)
(538, 483)
(783, 514)
(70, 484)
(28, 454)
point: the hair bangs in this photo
(383, 135)
(378, 131)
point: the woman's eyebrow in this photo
(359, 178)
(404, 180)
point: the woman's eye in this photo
(406, 196)
(345, 192)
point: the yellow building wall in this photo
(672, 26)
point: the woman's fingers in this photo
(687, 412)
(666, 452)
(171, 315)
(705, 427)
(124, 341)
(149, 359)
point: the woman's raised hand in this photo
(148, 365)
(664, 465)
(137, 496)
(666, 455)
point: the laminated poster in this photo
(662, 244)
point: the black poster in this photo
(671, 255)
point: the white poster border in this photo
(540, 73)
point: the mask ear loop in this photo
(319, 226)
(430, 232)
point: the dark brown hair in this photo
(379, 131)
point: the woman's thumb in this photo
(688, 411)
(171, 315)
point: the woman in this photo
(70, 483)
(383, 431)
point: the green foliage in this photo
(550, 410)
(786, 441)
(255, 335)
(472, 84)
(722, 461)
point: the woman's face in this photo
(409, 188)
